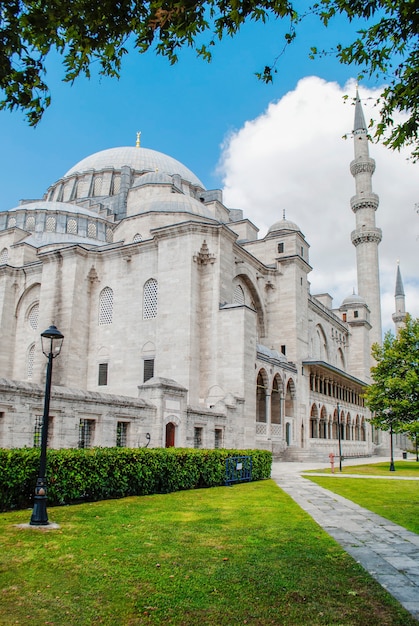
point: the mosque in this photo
(181, 327)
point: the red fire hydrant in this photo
(332, 462)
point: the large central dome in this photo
(138, 159)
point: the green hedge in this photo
(102, 473)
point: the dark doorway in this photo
(170, 435)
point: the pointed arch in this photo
(314, 421)
(320, 349)
(276, 399)
(261, 392)
(290, 399)
(254, 301)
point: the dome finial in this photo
(137, 143)
(283, 214)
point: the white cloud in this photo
(293, 158)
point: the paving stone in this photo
(389, 552)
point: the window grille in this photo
(30, 361)
(86, 431)
(218, 438)
(30, 222)
(103, 374)
(37, 431)
(137, 238)
(148, 369)
(122, 434)
(280, 248)
(91, 229)
(238, 294)
(33, 316)
(150, 299)
(97, 186)
(197, 437)
(11, 222)
(109, 235)
(105, 306)
(50, 224)
(4, 256)
(72, 227)
(116, 185)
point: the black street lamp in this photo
(392, 468)
(340, 439)
(52, 340)
(389, 415)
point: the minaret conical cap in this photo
(359, 122)
(399, 283)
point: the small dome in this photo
(354, 299)
(138, 159)
(284, 225)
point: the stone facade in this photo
(181, 326)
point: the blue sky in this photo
(232, 131)
(185, 110)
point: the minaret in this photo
(366, 236)
(399, 317)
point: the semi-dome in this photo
(284, 225)
(176, 203)
(53, 206)
(138, 159)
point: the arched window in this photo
(50, 224)
(97, 186)
(150, 299)
(4, 256)
(12, 222)
(116, 185)
(30, 222)
(109, 235)
(72, 226)
(238, 297)
(30, 361)
(91, 230)
(67, 191)
(105, 306)
(33, 316)
(137, 238)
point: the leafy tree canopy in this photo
(84, 31)
(394, 395)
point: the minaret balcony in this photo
(364, 201)
(362, 165)
(366, 235)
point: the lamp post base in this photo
(39, 513)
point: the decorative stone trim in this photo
(204, 257)
(366, 236)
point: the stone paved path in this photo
(389, 552)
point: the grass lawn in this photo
(241, 555)
(403, 468)
(396, 500)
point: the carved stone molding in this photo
(373, 235)
(204, 257)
